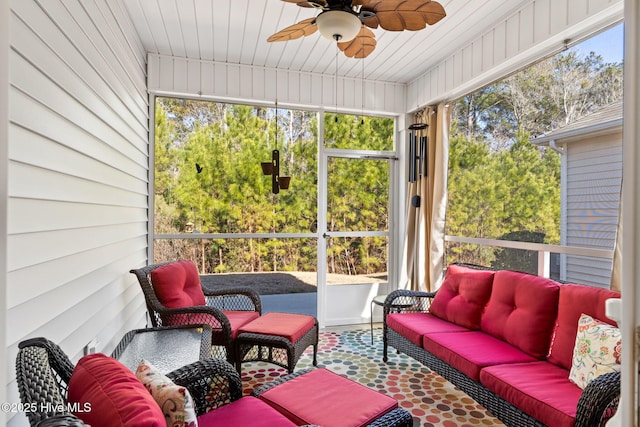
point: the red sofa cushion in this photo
(287, 325)
(522, 311)
(246, 411)
(108, 390)
(469, 352)
(575, 300)
(327, 399)
(178, 285)
(462, 296)
(540, 389)
(413, 326)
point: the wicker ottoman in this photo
(324, 398)
(278, 338)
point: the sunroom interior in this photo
(78, 83)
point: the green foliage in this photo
(500, 186)
(227, 193)
(492, 194)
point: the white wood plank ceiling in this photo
(236, 32)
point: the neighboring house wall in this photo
(593, 182)
(77, 172)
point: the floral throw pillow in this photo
(597, 351)
(174, 400)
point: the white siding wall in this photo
(535, 30)
(218, 80)
(77, 171)
(4, 132)
(593, 183)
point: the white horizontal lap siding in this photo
(78, 176)
(594, 178)
(219, 80)
(589, 271)
(535, 30)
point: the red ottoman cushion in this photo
(286, 325)
(327, 399)
(413, 326)
(246, 411)
(462, 296)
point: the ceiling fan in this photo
(346, 21)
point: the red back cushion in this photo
(178, 285)
(575, 300)
(462, 296)
(192, 285)
(522, 311)
(104, 390)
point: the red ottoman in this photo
(324, 398)
(278, 338)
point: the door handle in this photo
(325, 235)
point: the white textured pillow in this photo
(597, 351)
(174, 400)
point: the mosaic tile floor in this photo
(432, 400)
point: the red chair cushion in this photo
(327, 399)
(541, 389)
(573, 301)
(413, 326)
(108, 390)
(238, 319)
(178, 285)
(522, 311)
(246, 411)
(462, 296)
(469, 352)
(286, 325)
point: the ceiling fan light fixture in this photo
(338, 25)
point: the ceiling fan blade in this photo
(361, 46)
(295, 31)
(393, 15)
(313, 3)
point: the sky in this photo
(608, 44)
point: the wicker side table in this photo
(167, 348)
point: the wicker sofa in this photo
(507, 340)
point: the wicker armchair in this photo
(215, 313)
(43, 372)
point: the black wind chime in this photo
(273, 167)
(418, 156)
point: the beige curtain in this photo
(616, 267)
(425, 224)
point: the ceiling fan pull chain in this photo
(336, 83)
(362, 88)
